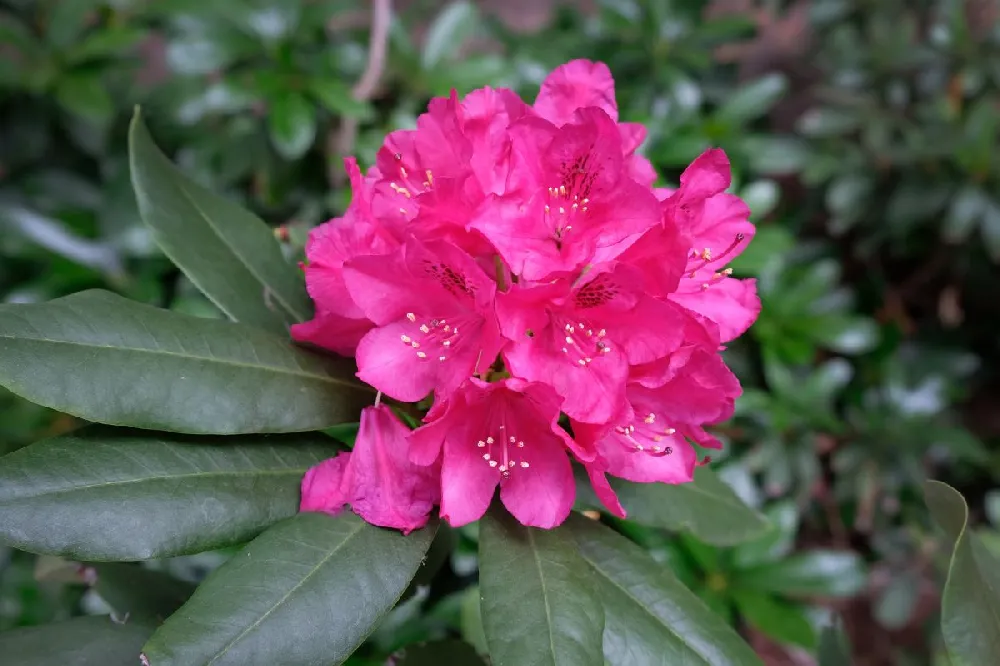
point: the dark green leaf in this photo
(826, 122)
(82, 641)
(106, 359)
(970, 604)
(538, 602)
(86, 96)
(292, 123)
(834, 647)
(137, 592)
(650, 617)
(777, 542)
(446, 35)
(439, 653)
(966, 209)
(66, 20)
(226, 251)
(337, 99)
(753, 99)
(107, 43)
(116, 494)
(707, 507)
(308, 591)
(776, 155)
(814, 573)
(782, 621)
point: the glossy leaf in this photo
(445, 36)
(137, 592)
(834, 646)
(753, 99)
(824, 573)
(292, 123)
(115, 494)
(82, 641)
(782, 621)
(706, 507)
(970, 604)
(650, 617)
(308, 591)
(226, 251)
(538, 602)
(107, 359)
(438, 653)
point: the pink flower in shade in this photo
(433, 307)
(668, 401)
(376, 478)
(580, 338)
(717, 228)
(504, 433)
(570, 200)
(340, 323)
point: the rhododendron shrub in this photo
(513, 268)
(516, 322)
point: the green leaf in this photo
(753, 99)
(66, 20)
(966, 209)
(650, 617)
(827, 122)
(137, 592)
(970, 604)
(776, 542)
(782, 621)
(82, 641)
(449, 31)
(107, 359)
(86, 96)
(226, 251)
(707, 507)
(107, 43)
(291, 121)
(834, 646)
(116, 494)
(337, 98)
(824, 573)
(307, 591)
(538, 603)
(437, 653)
(776, 155)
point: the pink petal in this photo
(605, 493)
(467, 483)
(392, 366)
(326, 487)
(331, 331)
(575, 85)
(732, 304)
(541, 494)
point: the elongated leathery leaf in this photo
(227, 251)
(650, 617)
(110, 360)
(116, 494)
(307, 592)
(538, 604)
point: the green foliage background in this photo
(864, 136)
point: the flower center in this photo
(707, 258)
(435, 338)
(580, 342)
(499, 450)
(645, 435)
(562, 209)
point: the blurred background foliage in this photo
(863, 134)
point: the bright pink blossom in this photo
(376, 478)
(515, 264)
(502, 433)
(433, 307)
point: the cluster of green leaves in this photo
(853, 374)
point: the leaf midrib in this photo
(638, 603)
(545, 594)
(296, 316)
(290, 471)
(213, 359)
(290, 592)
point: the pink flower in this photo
(340, 323)
(433, 308)
(516, 263)
(580, 337)
(717, 227)
(667, 403)
(570, 200)
(376, 478)
(502, 433)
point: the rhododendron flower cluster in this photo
(514, 267)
